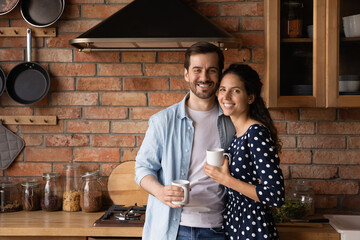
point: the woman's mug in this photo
(184, 184)
(215, 156)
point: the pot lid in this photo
(153, 25)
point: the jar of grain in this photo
(10, 197)
(52, 192)
(31, 195)
(91, 192)
(71, 196)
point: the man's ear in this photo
(186, 75)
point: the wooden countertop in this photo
(75, 224)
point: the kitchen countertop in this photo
(60, 223)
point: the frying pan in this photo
(2, 81)
(27, 82)
(7, 5)
(42, 13)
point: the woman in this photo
(253, 178)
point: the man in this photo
(175, 146)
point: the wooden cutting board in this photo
(122, 187)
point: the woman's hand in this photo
(218, 174)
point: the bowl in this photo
(352, 25)
(309, 30)
(349, 83)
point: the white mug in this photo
(184, 184)
(215, 156)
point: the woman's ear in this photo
(251, 99)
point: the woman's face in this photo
(233, 97)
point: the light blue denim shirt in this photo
(165, 153)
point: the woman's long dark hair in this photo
(258, 110)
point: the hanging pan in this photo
(7, 5)
(28, 82)
(42, 13)
(2, 81)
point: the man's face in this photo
(203, 75)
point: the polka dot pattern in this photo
(254, 161)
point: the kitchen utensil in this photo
(352, 25)
(185, 185)
(42, 13)
(2, 81)
(314, 220)
(28, 82)
(122, 187)
(10, 146)
(349, 83)
(7, 6)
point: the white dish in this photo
(352, 25)
(347, 225)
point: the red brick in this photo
(48, 154)
(28, 169)
(174, 57)
(62, 84)
(354, 142)
(314, 172)
(74, 98)
(107, 168)
(130, 127)
(252, 24)
(139, 140)
(229, 24)
(6, 42)
(78, 26)
(129, 154)
(295, 156)
(68, 140)
(164, 70)
(321, 142)
(288, 141)
(105, 113)
(336, 157)
(242, 9)
(349, 172)
(338, 128)
(124, 99)
(119, 69)
(349, 114)
(285, 171)
(86, 1)
(11, 55)
(112, 141)
(258, 67)
(97, 57)
(252, 39)
(87, 127)
(179, 84)
(280, 127)
(165, 99)
(208, 10)
(317, 114)
(326, 201)
(258, 54)
(96, 155)
(73, 69)
(143, 113)
(43, 129)
(99, 11)
(146, 84)
(13, 111)
(139, 57)
(234, 55)
(301, 127)
(49, 55)
(32, 140)
(71, 11)
(335, 187)
(59, 167)
(62, 40)
(60, 112)
(99, 84)
(352, 203)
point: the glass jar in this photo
(31, 195)
(52, 193)
(302, 195)
(72, 188)
(91, 192)
(292, 19)
(10, 196)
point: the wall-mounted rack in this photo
(21, 32)
(28, 120)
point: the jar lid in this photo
(51, 175)
(8, 183)
(90, 174)
(30, 183)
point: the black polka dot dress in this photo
(254, 160)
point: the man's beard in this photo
(206, 93)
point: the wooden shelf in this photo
(296, 40)
(28, 120)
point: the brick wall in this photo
(103, 101)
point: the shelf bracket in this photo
(28, 120)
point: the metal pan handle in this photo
(28, 45)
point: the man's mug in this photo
(215, 156)
(184, 184)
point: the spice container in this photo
(71, 196)
(31, 195)
(91, 192)
(10, 197)
(292, 19)
(52, 193)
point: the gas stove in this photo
(121, 215)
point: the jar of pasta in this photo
(72, 187)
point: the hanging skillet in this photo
(42, 13)
(7, 5)
(2, 81)
(28, 82)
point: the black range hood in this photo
(162, 25)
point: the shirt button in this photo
(186, 150)
(182, 174)
(174, 219)
(188, 128)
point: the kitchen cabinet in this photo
(304, 71)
